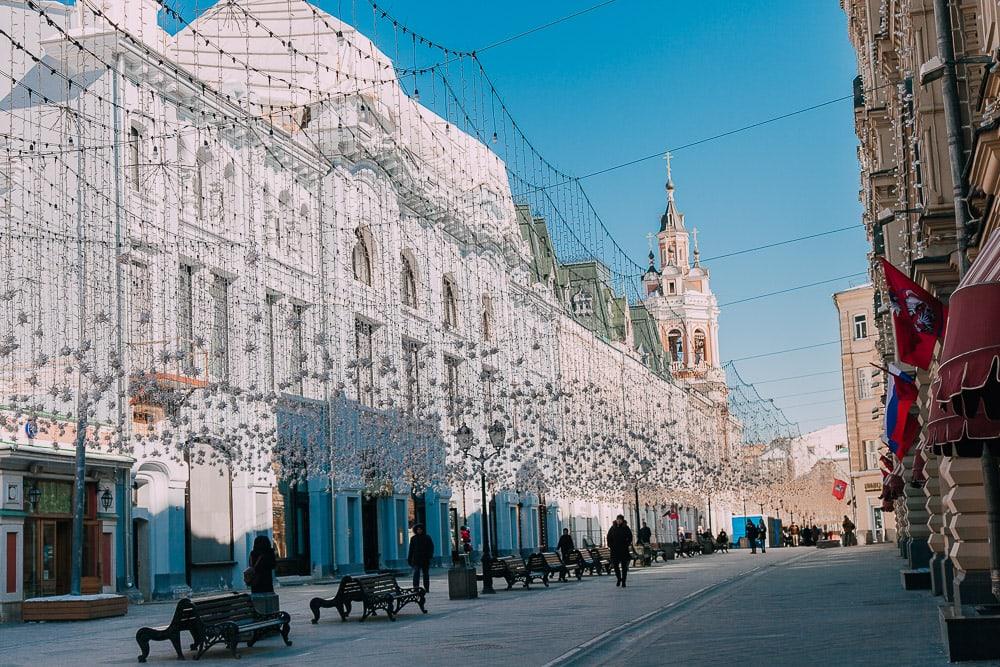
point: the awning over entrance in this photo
(965, 406)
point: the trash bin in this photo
(462, 582)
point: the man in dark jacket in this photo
(565, 546)
(419, 556)
(645, 534)
(762, 536)
(752, 536)
(620, 543)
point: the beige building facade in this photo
(862, 381)
(929, 208)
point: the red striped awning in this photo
(965, 395)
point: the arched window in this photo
(700, 355)
(487, 317)
(450, 303)
(408, 282)
(675, 341)
(361, 259)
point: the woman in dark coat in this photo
(620, 543)
(262, 561)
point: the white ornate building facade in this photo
(272, 285)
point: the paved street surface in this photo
(845, 604)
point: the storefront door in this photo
(369, 530)
(47, 544)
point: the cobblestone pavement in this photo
(847, 603)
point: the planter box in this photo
(73, 607)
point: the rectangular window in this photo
(140, 325)
(210, 507)
(298, 349)
(863, 383)
(270, 308)
(185, 311)
(135, 156)
(219, 363)
(411, 368)
(363, 333)
(871, 454)
(860, 327)
(451, 385)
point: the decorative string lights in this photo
(254, 245)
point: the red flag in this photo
(917, 317)
(839, 488)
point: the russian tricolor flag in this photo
(900, 428)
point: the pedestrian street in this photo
(720, 607)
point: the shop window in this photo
(210, 507)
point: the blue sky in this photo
(638, 76)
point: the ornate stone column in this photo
(937, 541)
(917, 552)
(970, 553)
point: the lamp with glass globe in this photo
(481, 455)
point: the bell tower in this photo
(680, 298)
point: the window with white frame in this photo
(298, 356)
(451, 383)
(185, 313)
(450, 303)
(363, 342)
(135, 156)
(270, 309)
(860, 327)
(872, 454)
(863, 383)
(411, 370)
(219, 363)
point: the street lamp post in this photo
(482, 456)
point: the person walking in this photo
(751, 530)
(849, 539)
(762, 536)
(260, 575)
(419, 556)
(645, 534)
(794, 530)
(565, 546)
(620, 543)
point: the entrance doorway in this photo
(369, 531)
(290, 523)
(140, 558)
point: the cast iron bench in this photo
(602, 557)
(641, 555)
(228, 619)
(548, 563)
(381, 591)
(348, 591)
(498, 570)
(581, 561)
(517, 570)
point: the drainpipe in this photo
(953, 123)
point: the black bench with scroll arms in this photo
(382, 591)
(548, 563)
(228, 619)
(581, 561)
(517, 570)
(602, 556)
(348, 591)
